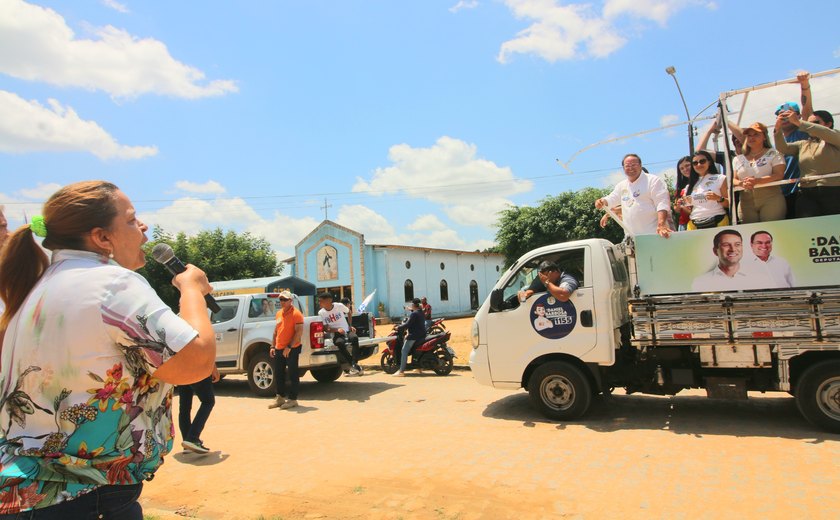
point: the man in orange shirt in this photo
(286, 352)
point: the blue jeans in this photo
(282, 365)
(191, 429)
(107, 502)
(406, 348)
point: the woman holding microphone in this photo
(89, 357)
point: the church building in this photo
(338, 260)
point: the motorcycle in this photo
(433, 354)
(435, 327)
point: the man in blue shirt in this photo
(416, 327)
(551, 279)
(792, 133)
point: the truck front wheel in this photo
(326, 375)
(261, 374)
(560, 391)
(818, 395)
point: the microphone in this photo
(163, 254)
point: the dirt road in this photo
(434, 447)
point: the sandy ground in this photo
(430, 447)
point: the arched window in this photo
(444, 291)
(407, 264)
(473, 295)
(409, 290)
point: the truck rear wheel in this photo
(560, 391)
(261, 374)
(326, 375)
(818, 395)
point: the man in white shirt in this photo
(645, 202)
(728, 274)
(334, 316)
(776, 268)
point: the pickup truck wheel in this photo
(326, 375)
(389, 363)
(818, 395)
(560, 391)
(261, 374)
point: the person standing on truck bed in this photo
(334, 316)
(286, 352)
(645, 202)
(550, 278)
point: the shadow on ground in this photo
(345, 389)
(685, 415)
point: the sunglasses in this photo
(283, 299)
(699, 161)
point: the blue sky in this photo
(416, 120)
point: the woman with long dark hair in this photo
(683, 177)
(705, 199)
(89, 357)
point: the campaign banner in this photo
(767, 255)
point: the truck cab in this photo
(526, 334)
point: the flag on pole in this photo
(366, 301)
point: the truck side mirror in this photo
(496, 300)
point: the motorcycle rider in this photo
(416, 327)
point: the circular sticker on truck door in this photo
(552, 318)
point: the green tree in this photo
(222, 255)
(570, 215)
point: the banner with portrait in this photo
(795, 253)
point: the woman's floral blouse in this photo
(79, 404)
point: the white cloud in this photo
(114, 61)
(116, 6)
(23, 204)
(572, 31)
(463, 4)
(429, 231)
(28, 126)
(668, 119)
(470, 189)
(659, 11)
(194, 187)
(427, 222)
(41, 191)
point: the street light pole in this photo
(673, 73)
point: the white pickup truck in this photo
(244, 328)
(651, 330)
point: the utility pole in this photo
(673, 73)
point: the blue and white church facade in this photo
(338, 260)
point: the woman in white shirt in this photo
(705, 196)
(759, 164)
(89, 357)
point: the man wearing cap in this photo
(793, 134)
(286, 352)
(334, 317)
(645, 202)
(551, 279)
(416, 327)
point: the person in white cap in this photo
(286, 352)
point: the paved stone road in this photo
(446, 448)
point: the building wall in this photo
(425, 272)
(368, 267)
(349, 248)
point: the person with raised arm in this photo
(645, 202)
(89, 357)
